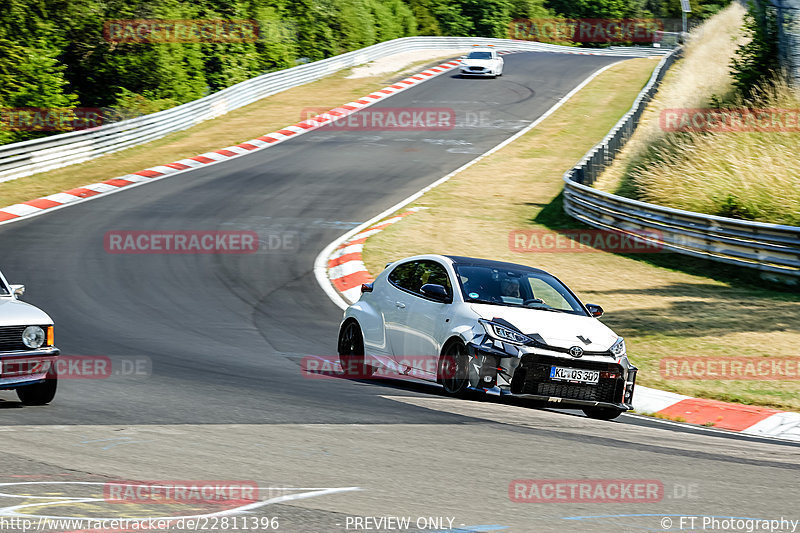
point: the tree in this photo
(757, 60)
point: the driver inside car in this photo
(509, 291)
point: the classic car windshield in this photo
(518, 288)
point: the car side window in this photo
(413, 275)
(433, 272)
(404, 276)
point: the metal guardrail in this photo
(770, 248)
(39, 155)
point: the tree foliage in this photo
(54, 53)
(756, 61)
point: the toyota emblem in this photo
(576, 351)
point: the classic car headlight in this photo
(618, 348)
(33, 337)
(502, 333)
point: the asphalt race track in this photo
(223, 336)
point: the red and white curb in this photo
(41, 205)
(346, 269)
(749, 419)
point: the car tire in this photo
(453, 369)
(602, 413)
(351, 351)
(39, 394)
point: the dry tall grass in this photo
(702, 73)
(754, 176)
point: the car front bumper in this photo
(26, 367)
(529, 378)
(467, 72)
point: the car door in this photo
(394, 303)
(426, 319)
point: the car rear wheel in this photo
(454, 369)
(39, 394)
(351, 351)
(602, 413)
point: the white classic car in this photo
(489, 327)
(27, 353)
(482, 62)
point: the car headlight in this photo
(502, 333)
(618, 348)
(33, 337)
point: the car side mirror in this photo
(595, 310)
(435, 292)
(18, 291)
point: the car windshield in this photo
(516, 288)
(479, 55)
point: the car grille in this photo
(476, 69)
(11, 338)
(533, 377)
(602, 392)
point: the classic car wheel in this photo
(351, 351)
(602, 413)
(454, 369)
(39, 394)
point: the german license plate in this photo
(560, 373)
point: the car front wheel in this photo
(602, 413)
(39, 394)
(454, 369)
(351, 351)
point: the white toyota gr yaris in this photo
(491, 327)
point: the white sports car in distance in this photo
(482, 62)
(27, 353)
(491, 327)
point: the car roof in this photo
(474, 261)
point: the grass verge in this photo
(665, 305)
(265, 116)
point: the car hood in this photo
(16, 313)
(557, 329)
(477, 62)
